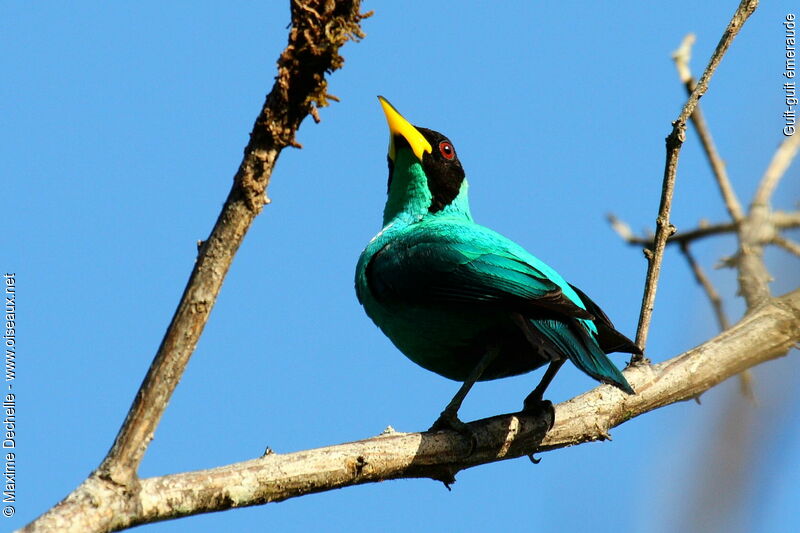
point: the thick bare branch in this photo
(765, 334)
(674, 142)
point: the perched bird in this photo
(462, 300)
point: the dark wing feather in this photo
(424, 271)
(608, 337)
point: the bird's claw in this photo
(540, 407)
(451, 421)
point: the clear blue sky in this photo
(123, 123)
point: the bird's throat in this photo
(409, 199)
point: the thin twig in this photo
(704, 229)
(785, 219)
(779, 219)
(673, 143)
(623, 229)
(708, 287)
(682, 56)
(787, 244)
(777, 168)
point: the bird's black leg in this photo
(535, 400)
(449, 417)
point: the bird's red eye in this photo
(446, 149)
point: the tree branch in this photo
(763, 335)
(787, 244)
(114, 498)
(777, 168)
(318, 29)
(780, 220)
(756, 230)
(674, 142)
(300, 86)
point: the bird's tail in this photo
(573, 340)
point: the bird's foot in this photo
(449, 420)
(539, 406)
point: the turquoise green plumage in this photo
(452, 294)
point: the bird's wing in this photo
(468, 266)
(573, 340)
(609, 339)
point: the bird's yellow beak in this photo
(400, 126)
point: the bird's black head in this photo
(443, 169)
(434, 151)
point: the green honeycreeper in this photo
(462, 300)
